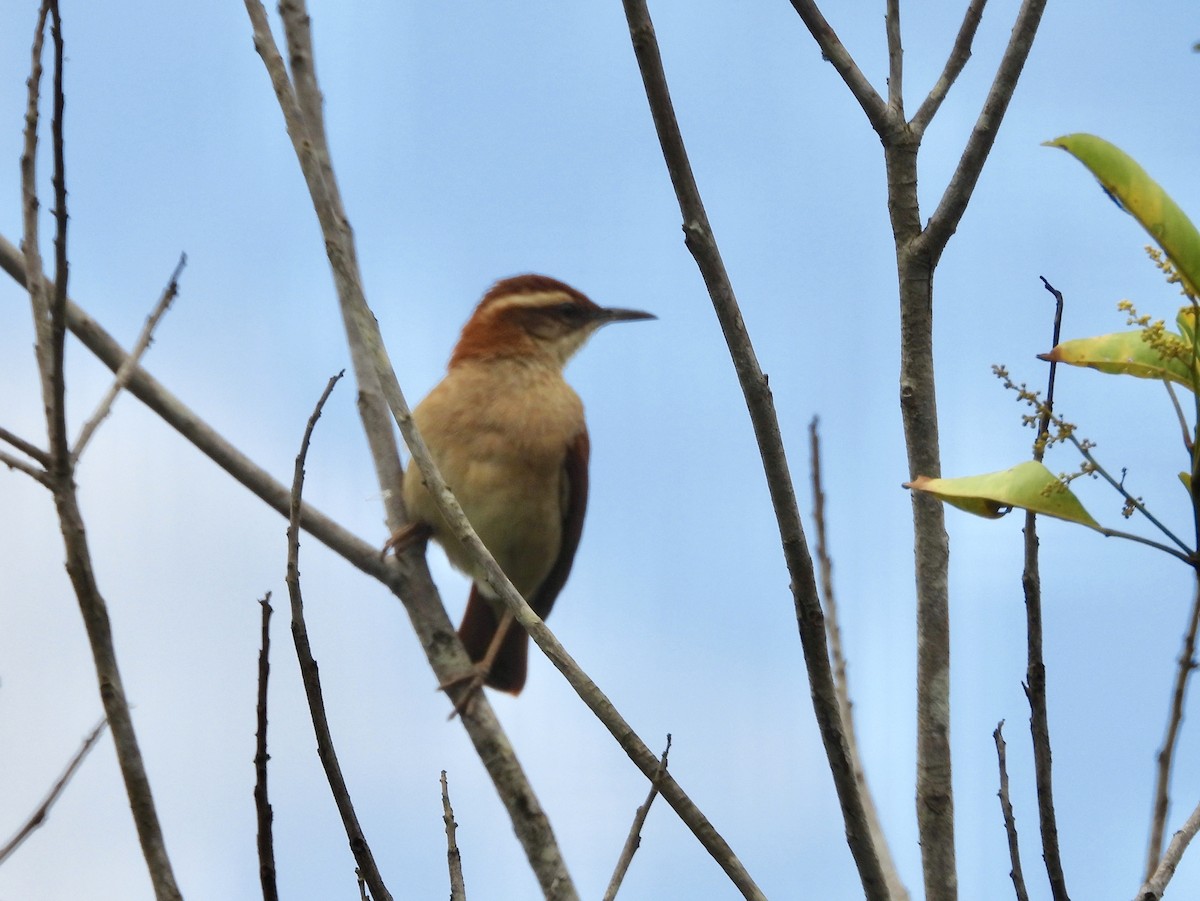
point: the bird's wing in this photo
(575, 492)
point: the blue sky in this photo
(494, 139)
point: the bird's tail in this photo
(477, 632)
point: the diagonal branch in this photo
(955, 62)
(811, 622)
(634, 840)
(38, 818)
(882, 119)
(958, 192)
(1154, 887)
(28, 448)
(38, 475)
(126, 370)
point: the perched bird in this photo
(508, 434)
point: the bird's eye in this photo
(569, 311)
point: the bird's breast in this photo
(499, 433)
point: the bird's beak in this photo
(613, 314)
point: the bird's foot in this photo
(474, 678)
(405, 537)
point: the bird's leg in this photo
(479, 671)
(405, 537)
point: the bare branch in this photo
(840, 680)
(38, 475)
(458, 889)
(125, 372)
(262, 804)
(1166, 754)
(39, 816)
(50, 315)
(310, 675)
(634, 839)
(959, 54)
(701, 243)
(880, 116)
(958, 192)
(1010, 822)
(28, 448)
(1035, 672)
(895, 59)
(1155, 887)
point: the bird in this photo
(508, 435)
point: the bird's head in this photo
(536, 318)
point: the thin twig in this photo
(1010, 822)
(1154, 887)
(262, 803)
(700, 241)
(634, 840)
(1187, 558)
(955, 62)
(1134, 502)
(38, 475)
(131, 362)
(312, 679)
(38, 818)
(28, 448)
(1035, 670)
(840, 680)
(1166, 754)
(458, 888)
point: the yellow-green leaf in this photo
(1127, 182)
(1186, 320)
(1124, 353)
(1029, 485)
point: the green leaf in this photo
(1125, 353)
(1029, 485)
(1127, 183)
(1186, 320)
